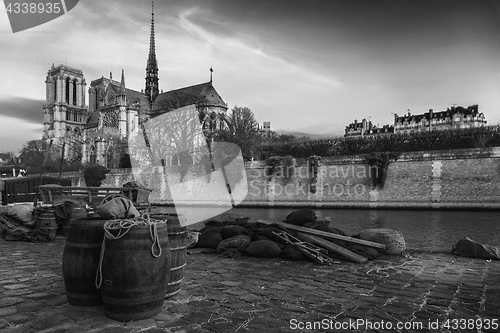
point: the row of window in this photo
(70, 116)
(69, 99)
(437, 122)
(407, 131)
(74, 116)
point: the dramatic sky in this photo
(304, 65)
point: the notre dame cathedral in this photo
(114, 111)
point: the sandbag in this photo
(323, 226)
(268, 232)
(466, 247)
(238, 242)
(291, 252)
(22, 213)
(301, 217)
(118, 208)
(210, 238)
(263, 249)
(232, 230)
(208, 227)
(393, 240)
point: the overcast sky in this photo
(304, 65)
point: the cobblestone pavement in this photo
(266, 295)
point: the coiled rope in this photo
(116, 229)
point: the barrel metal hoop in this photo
(177, 268)
(178, 248)
(176, 282)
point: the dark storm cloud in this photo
(24, 109)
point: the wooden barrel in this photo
(133, 279)
(77, 212)
(47, 223)
(177, 238)
(81, 259)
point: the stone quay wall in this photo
(450, 179)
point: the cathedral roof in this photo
(201, 94)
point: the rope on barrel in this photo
(123, 226)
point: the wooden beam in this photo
(325, 234)
(333, 247)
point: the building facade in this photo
(114, 112)
(453, 118)
(456, 117)
(366, 128)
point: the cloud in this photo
(22, 108)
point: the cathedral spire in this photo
(152, 66)
(122, 83)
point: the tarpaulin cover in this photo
(468, 248)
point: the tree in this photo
(242, 122)
(33, 152)
(243, 130)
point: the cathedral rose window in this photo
(111, 119)
(111, 98)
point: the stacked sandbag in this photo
(263, 249)
(301, 217)
(232, 240)
(209, 237)
(234, 244)
(393, 240)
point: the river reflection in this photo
(422, 229)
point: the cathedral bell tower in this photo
(152, 88)
(64, 111)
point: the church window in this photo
(75, 116)
(93, 155)
(68, 115)
(67, 90)
(111, 119)
(55, 89)
(74, 92)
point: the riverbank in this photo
(460, 179)
(265, 295)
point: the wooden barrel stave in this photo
(177, 238)
(133, 280)
(81, 260)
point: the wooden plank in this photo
(333, 247)
(325, 234)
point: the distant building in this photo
(5, 158)
(366, 128)
(266, 128)
(452, 118)
(455, 117)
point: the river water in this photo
(428, 230)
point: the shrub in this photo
(94, 175)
